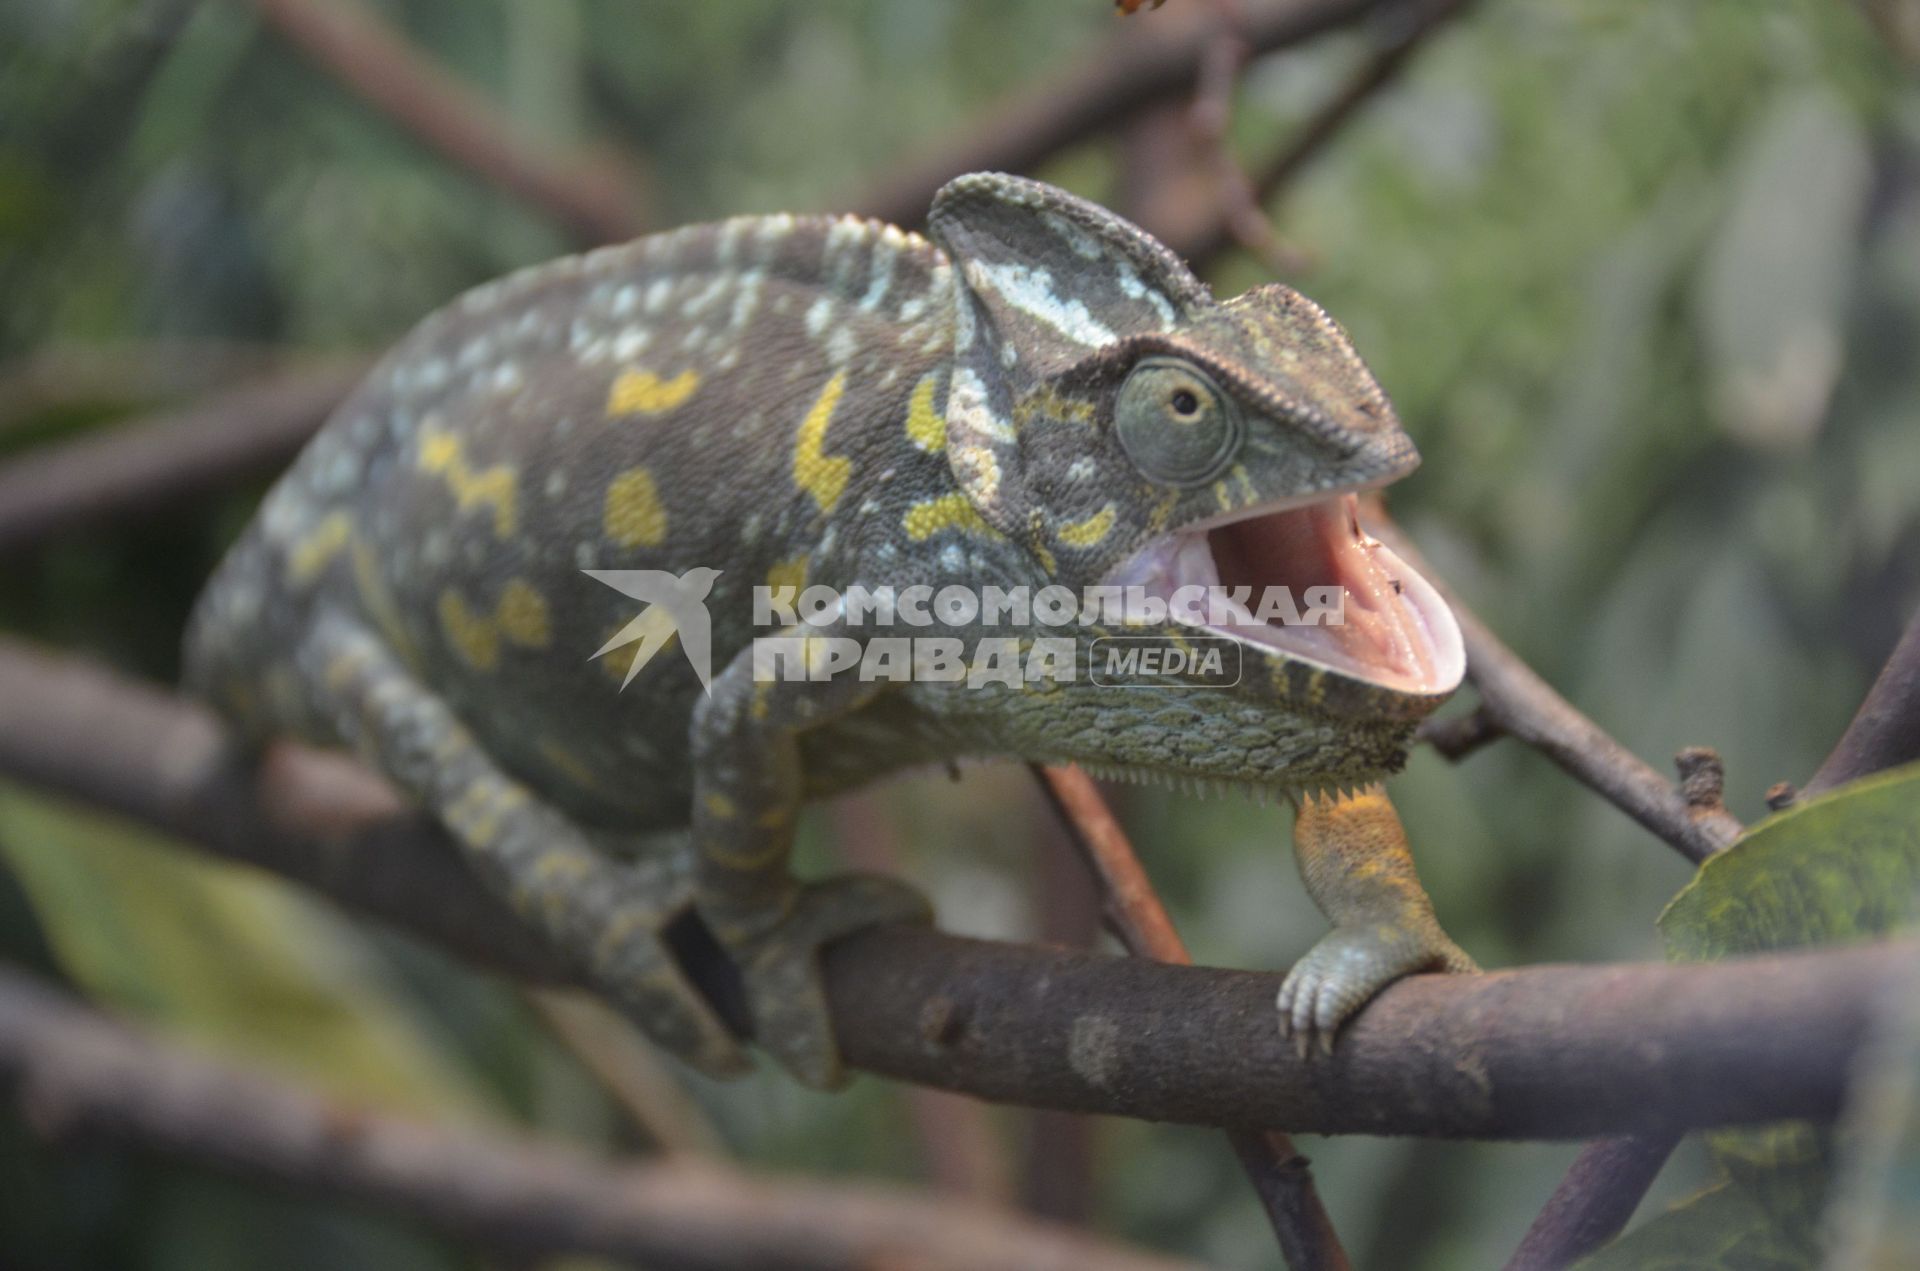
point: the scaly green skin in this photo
(788, 400)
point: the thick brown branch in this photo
(1278, 1172)
(590, 196)
(160, 461)
(1145, 60)
(1546, 1052)
(77, 1075)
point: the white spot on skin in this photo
(886, 250)
(1084, 245)
(657, 293)
(841, 345)
(968, 411)
(556, 484)
(746, 299)
(1031, 291)
(819, 314)
(624, 300)
(1131, 285)
(630, 342)
(699, 300)
(1083, 469)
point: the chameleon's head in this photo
(1110, 414)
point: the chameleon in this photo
(1035, 394)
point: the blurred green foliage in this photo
(1643, 279)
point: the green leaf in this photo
(1841, 867)
(225, 956)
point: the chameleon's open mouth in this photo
(1383, 623)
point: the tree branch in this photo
(1607, 1181)
(152, 463)
(1146, 60)
(1278, 1172)
(589, 195)
(77, 1075)
(1516, 701)
(1546, 1052)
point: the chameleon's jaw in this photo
(1397, 633)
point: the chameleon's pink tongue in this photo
(1393, 629)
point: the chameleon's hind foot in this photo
(633, 967)
(781, 968)
(1344, 970)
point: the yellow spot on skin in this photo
(377, 599)
(925, 428)
(1162, 512)
(644, 393)
(471, 635)
(822, 475)
(492, 488)
(312, 554)
(1048, 403)
(635, 516)
(523, 615)
(567, 764)
(948, 512)
(1222, 497)
(1090, 532)
(789, 573)
(720, 807)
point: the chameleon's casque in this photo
(1041, 395)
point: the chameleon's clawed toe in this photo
(781, 967)
(1345, 970)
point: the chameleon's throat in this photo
(1394, 629)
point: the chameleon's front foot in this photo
(1348, 965)
(1354, 858)
(781, 967)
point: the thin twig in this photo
(162, 460)
(1885, 731)
(1210, 117)
(1279, 1173)
(80, 1076)
(590, 195)
(1406, 30)
(1545, 1052)
(1519, 703)
(1145, 61)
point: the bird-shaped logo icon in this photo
(676, 606)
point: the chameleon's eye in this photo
(1175, 423)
